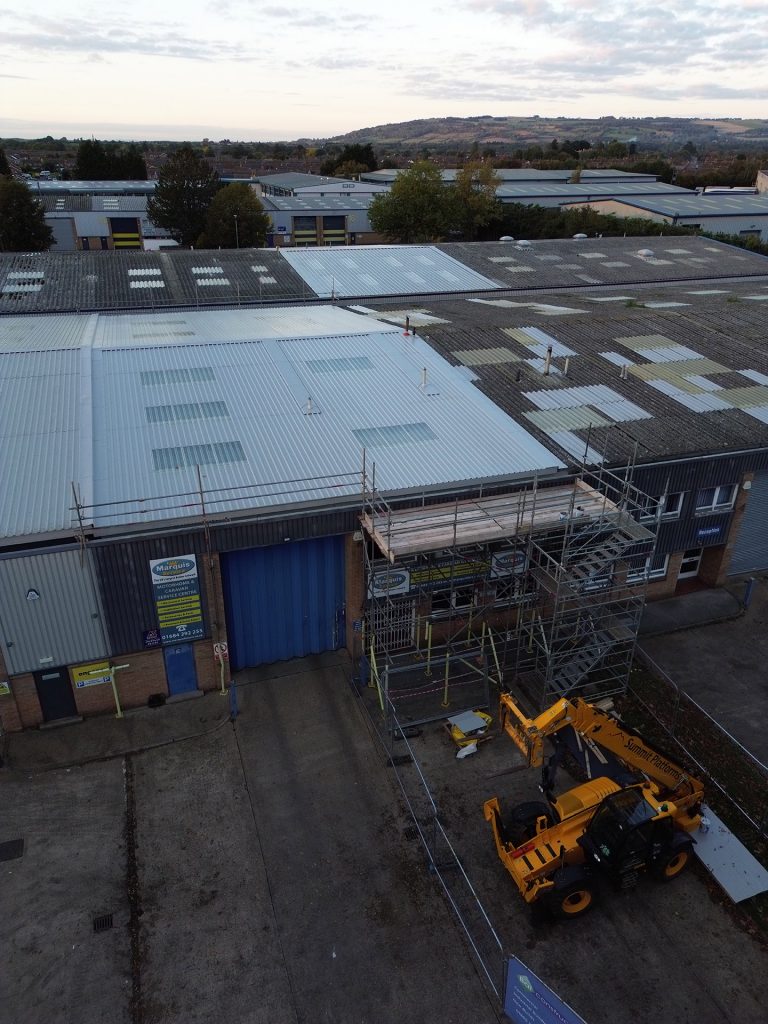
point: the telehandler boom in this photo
(640, 819)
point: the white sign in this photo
(389, 582)
(221, 651)
(507, 562)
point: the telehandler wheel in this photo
(521, 820)
(573, 893)
(672, 863)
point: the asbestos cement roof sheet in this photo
(383, 270)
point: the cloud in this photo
(301, 17)
(76, 35)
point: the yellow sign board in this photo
(5, 686)
(94, 674)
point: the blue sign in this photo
(177, 599)
(709, 531)
(527, 1000)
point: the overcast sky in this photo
(244, 69)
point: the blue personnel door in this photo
(180, 669)
(284, 601)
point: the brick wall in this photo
(716, 561)
(10, 720)
(25, 692)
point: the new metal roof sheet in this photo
(253, 397)
(40, 404)
(383, 270)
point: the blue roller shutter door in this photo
(284, 601)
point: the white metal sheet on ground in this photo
(729, 861)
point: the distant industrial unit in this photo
(481, 455)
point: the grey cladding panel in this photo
(50, 611)
(750, 553)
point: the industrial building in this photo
(723, 213)
(474, 457)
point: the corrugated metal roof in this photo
(295, 422)
(383, 270)
(41, 333)
(603, 189)
(205, 327)
(308, 203)
(290, 405)
(39, 420)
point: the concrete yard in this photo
(274, 879)
(723, 667)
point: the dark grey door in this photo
(55, 692)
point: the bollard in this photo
(748, 588)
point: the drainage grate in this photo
(102, 923)
(411, 832)
(12, 850)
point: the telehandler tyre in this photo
(573, 893)
(673, 862)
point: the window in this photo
(671, 506)
(648, 569)
(716, 499)
(457, 599)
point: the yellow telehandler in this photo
(636, 816)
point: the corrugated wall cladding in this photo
(689, 478)
(122, 568)
(126, 586)
(63, 624)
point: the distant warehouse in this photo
(716, 213)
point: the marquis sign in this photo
(177, 599)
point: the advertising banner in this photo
(177, 599)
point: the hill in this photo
(657, 133)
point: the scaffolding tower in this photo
(543, 585)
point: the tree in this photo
(235, 219)
(5, 167)
(185, 188)
(96, 161)
(357, 154)
(474, 198)
(349, 169)
(417, 208)
(22, 219)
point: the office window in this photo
(650, 569)
(671, 506)
(716, 499)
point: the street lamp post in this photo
(237, 234)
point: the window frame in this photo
(716, 507)
(648, 573)
(666, 515)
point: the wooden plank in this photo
(430, 528)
